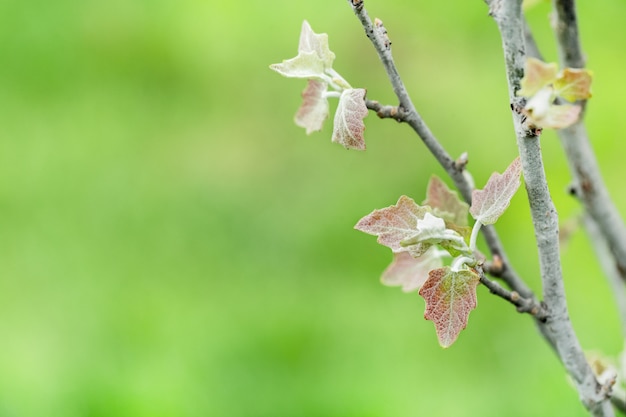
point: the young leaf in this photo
(313, 59)
(446, 203)
(304, 65)
(314, 109)
(410, 272)
(393, 224)
(573, 84)
(489, 203)
(537, 75)
(431, 231)
(314, 42)
(554, 116)
(542, 85)
(450, 297)
(348, 126)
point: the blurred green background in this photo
(171, 244)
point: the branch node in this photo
(382, 32)
(357, 5)
(461, 162)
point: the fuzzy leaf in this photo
(537, 75)
(431, 231)
(410, 272)
(573, 84)
(446, 203)
(556, 116)
(314, 42)
(541, 111)
(450, 297)
(393, 224)
(538, 106)
(348, 126)
(314, 109)
(305, 65)
(489, 203)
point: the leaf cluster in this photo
(543, 85)
(422, 236)
(314, 62)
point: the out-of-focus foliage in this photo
(172, 244)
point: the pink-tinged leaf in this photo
(553, 116)
(348, 126)
(537, 75)
(446, 203)
(559, 116)
(450, 297)
(410, 272)
(314, 42)
(489, 203)
(305, 65)
(393, 224)
(573, 84)
(314, 109)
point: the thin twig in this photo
(557, 329)
(524, 305)
(407, 113)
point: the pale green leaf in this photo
(305, 65)
(573, 84)
(537, 74)
(314, 42)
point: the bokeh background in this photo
(171, 244)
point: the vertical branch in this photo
(566, 30)
(606, 262)
(575, 141)
(557, 329)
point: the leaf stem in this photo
(524, 305)
(333, 94)
(338, 80)
(460, 261)
(328, 79)
(474, 235)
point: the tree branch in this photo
(606, 262)
(575, 141)
(566, 29)
(557, 329)
(524, 305)
(406, 112)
